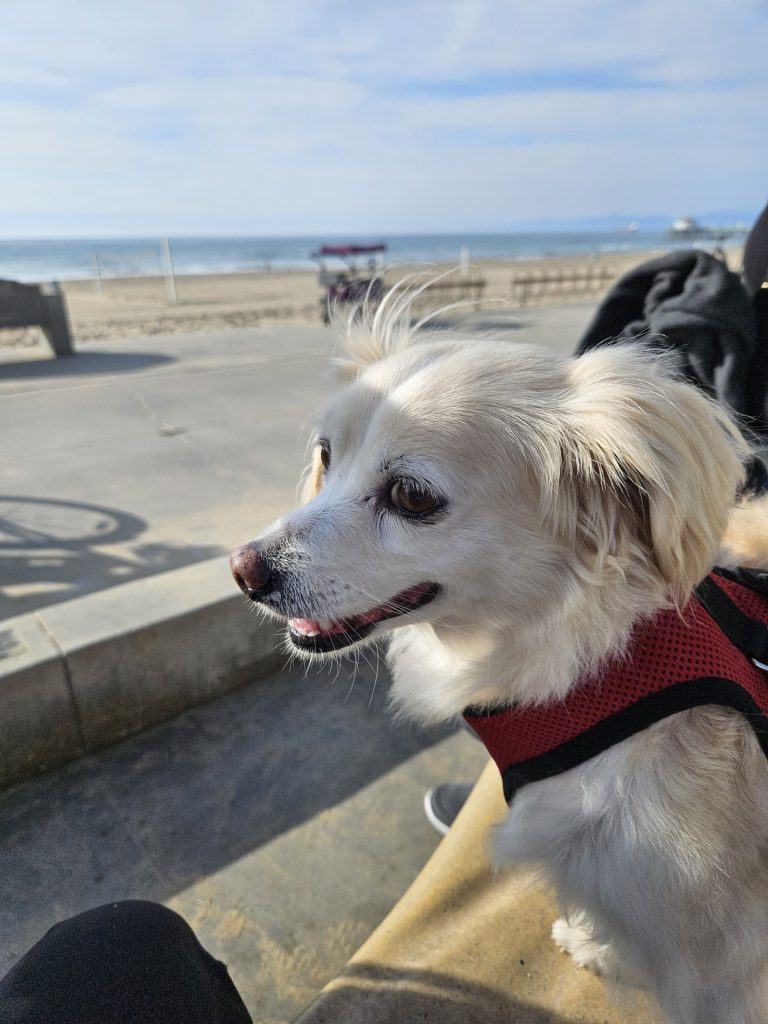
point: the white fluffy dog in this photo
(507, 516)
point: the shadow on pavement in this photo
(82, 363)
(487, 324)
(163, 809)
(52, 551)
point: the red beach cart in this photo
(348, 285)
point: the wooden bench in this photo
(33, 305)
(562, 284)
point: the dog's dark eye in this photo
(413, 497)
(325, 452)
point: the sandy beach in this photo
(139, 306)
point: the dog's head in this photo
(482, 486)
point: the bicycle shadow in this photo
(52, 551)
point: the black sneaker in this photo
(443, 803)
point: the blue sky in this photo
(314, 116)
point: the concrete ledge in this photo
(81, 675)
(38, 720)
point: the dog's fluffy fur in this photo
(580, 495)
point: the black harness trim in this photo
(647, 711)
(749, 636)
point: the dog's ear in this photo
(651, 461)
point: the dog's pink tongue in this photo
(308, 625)
(311, 626)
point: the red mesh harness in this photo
(715, 653)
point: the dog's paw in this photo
(575, 938)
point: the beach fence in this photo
(116, 261)
(543, 285)
(169, 260)
(447, 290)
(141, 259)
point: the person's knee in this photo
(133, 960)
(126, 918)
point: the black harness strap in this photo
(717, 654)
(748, 635)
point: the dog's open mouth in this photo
(321, 637)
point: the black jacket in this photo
(717, 325)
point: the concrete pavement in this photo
(283, 821)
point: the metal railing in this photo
(538, 286)
(451, 289)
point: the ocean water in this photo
(67, 259)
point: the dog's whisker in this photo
(338, 663)
(372, 597)
(363, 655)
(375, 677)
(354, 674)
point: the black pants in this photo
(124, 963)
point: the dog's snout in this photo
(251, 570)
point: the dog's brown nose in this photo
(251, 571)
